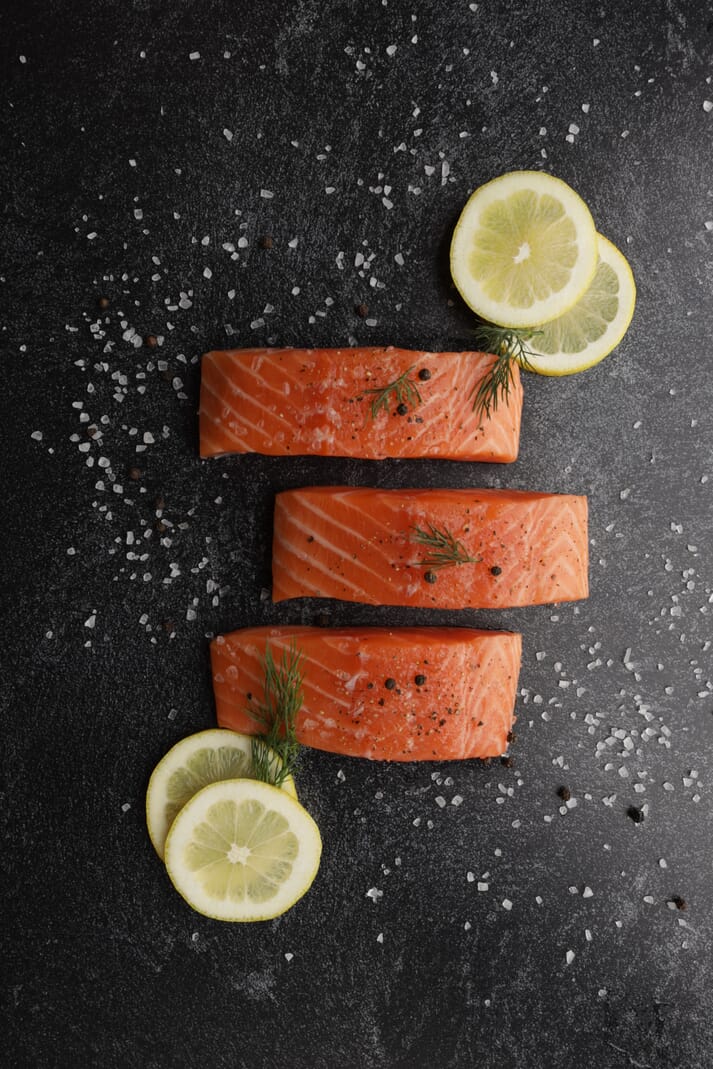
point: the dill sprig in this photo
(277, 716)
(402, 391)
(445, 548)
(509, 345)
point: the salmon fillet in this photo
(362, 545)
(286, 402)
(412, 694)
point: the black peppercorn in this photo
(402, 409)
(390, 683)
(266, 242)
(151, 341)
(424, 374)
(430, 577)
(420, 680)
(564, 793)
(362, 310)
(679, 903)
(495, 570)
(635, 814)
(103, 303)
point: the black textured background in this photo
(104, 964)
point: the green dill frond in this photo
(509, 345)
(277, 716)
(402, 391)
(445, 548)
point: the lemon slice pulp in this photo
(188, 766)
(242, 850)
(594, 326)
(524, 249)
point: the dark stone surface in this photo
(104, 964)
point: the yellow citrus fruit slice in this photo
(242, 850)
(188, 766)
(594, 326)
(524, 249)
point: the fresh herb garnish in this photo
(403, 391)
(277, 716)
(509, 345)
(445, 548)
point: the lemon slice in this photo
(190, 765)
(242, 850)
(524, 249)
(594, 326)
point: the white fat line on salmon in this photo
(291, 550)
(236, 391)
(283, 645)
(281, 374)
(212, 440)
(461, 382)
(240, 416)
(321, 540)
(558, 538)
(350, 498)
(224, 424)
(257, 680)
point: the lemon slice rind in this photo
(190, 765)
(613, 284)
(242, 850)
(478, 241)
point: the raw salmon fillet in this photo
(412, 694)
(361, 545)
(286, 402)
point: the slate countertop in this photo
(147, 151)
